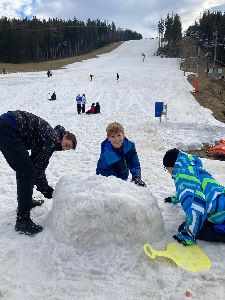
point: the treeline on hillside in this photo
(172, 35)
(210, 30)
(173, 29)
(29, 40)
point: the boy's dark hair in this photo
(70, 136)
(170, 157)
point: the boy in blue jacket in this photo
(118, 156)
(201, 197)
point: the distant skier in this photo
(79, 100)
(143, 56)
(53, 96)
(83, 103)
(21, 131)
(92, 110)
(118, 156)
(91, 76)
(49, 73)
(97, 108)
(117, 76)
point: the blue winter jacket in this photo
(118, 162)
(201, 197)
(79, 99)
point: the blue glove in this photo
(184, 238)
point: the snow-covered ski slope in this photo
(95, 227)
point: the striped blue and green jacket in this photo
(200, 195)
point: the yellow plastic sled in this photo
(190, 258)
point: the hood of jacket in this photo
(184, 161)
(60, 130)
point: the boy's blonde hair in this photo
(114, 128)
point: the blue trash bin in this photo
(159, 109)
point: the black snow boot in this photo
(25, 225)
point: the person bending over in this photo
(21, 131)
(201, 197)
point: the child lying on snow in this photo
(201, 197)
(118, 156)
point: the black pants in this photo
(18, 159)
(207, 233)
(78, 108)
(83, 108)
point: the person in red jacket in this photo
(92, 110)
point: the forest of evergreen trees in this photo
(172, 35)
(30, 40)
(210, 25)
(173, 29)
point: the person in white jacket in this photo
(83, 103)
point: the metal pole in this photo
(214, 62)
(197, 69)
(159, 39)
(198, 60)
(207, 64)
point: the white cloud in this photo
(12, 8)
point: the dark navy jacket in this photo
(118, 162)
(39, 137)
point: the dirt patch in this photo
(211, 95)
(203, 152)
(56, 64)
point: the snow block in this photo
(104, 210)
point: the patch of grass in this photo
(56, 64)
(211, 92)
(203, 152)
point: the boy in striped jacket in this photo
(201, 197)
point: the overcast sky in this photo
(140, 15)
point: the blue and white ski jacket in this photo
(79, 99)
(201, 197)
(118, 162)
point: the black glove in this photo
(138, 181)
(47, 191)
(181, 227)
(179, 240)
(168, 200)
(184, 238)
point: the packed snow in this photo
(95, 227)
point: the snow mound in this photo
(103, 220)
(101, 210)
